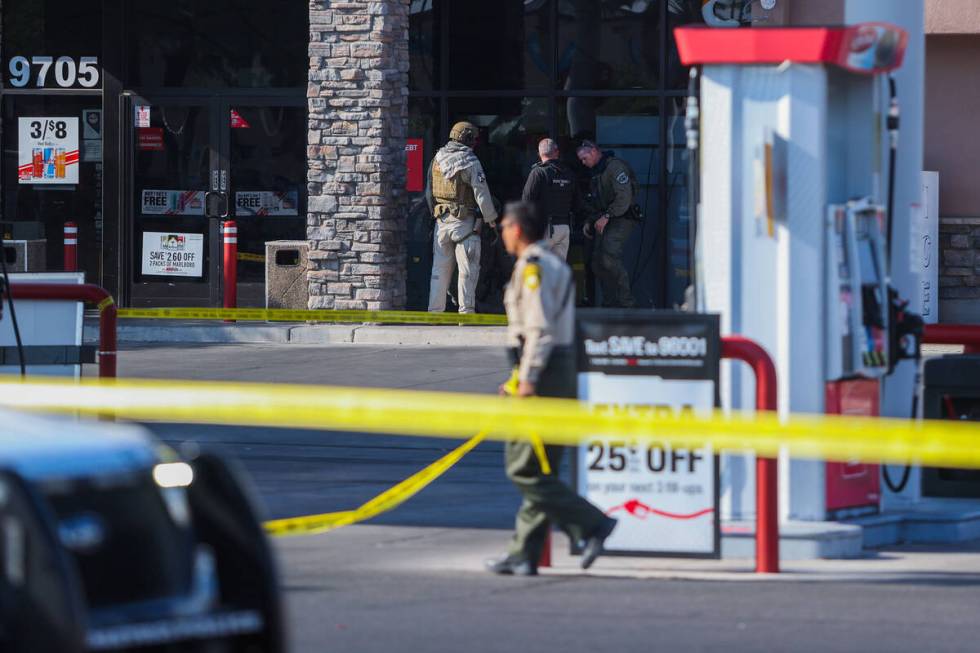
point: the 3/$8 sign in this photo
(59, 72)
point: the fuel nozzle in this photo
(905, 331)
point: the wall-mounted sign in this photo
(649, 363)
(172, 202)
(150, 138)
(173, 255)
(63, 72)
(47, 150)
(266, 202)
(141, 117)
(414, 175)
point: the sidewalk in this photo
(393, 549)
(281, 333)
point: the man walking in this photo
(457, 187)
(551, 188)
(541, 323)
(615, 215)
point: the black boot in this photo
(593, 545)
(511, 565)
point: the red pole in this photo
(967, 335)
(230, 231)
(545, 559)
(766, 469)
(86, 292)
(71, 247)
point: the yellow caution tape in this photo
(511, 386)
(444, 414)
(387, 500)
(289, 315)
(105, 303)
(542, 455)
(248, 256)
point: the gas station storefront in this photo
(126, 119)
(154, 107)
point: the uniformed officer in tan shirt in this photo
(457, 187)
(541, 325)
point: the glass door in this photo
(266, 141)
(195, 162)
(173, 161)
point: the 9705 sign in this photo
(59, 72)
(657, 364)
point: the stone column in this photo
(358, 101)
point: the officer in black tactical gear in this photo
(552, 190)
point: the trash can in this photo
(286, 264)
(25, 255)
(951, 390)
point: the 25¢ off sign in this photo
(173, 254)
(651, 363)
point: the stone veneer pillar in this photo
(358, 102)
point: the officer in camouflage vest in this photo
(457, 188)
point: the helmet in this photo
(464, 132)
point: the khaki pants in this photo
(454, 243)
(559, 240)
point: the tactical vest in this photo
(558, 192)
(453, 192)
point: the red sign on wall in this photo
(150, 138)
(414, 176)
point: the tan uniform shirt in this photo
(540, 308)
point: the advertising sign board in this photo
(173, 254)
(47, 150)
(651, 362)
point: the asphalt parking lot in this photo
(412, 580)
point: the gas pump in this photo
(793, 228)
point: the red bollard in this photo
(766, 469)
(230, 231)
(545, 559)
(71, 247)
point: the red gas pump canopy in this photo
(869, 48)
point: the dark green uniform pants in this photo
(546, 498)
(607, 263)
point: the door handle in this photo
(216, 204)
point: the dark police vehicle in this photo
(109, 541)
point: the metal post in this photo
(766, 469)
(71, 247)
(967, 335)
(545, 559)
(230, 231)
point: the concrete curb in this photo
(208, 332)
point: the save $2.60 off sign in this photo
(665, 498)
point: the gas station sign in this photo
(651, 363)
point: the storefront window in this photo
(605, 70)
(505, 44)
(52, 44)
(425, 19)
(52, 174)
(608, 45)
(221, 43)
